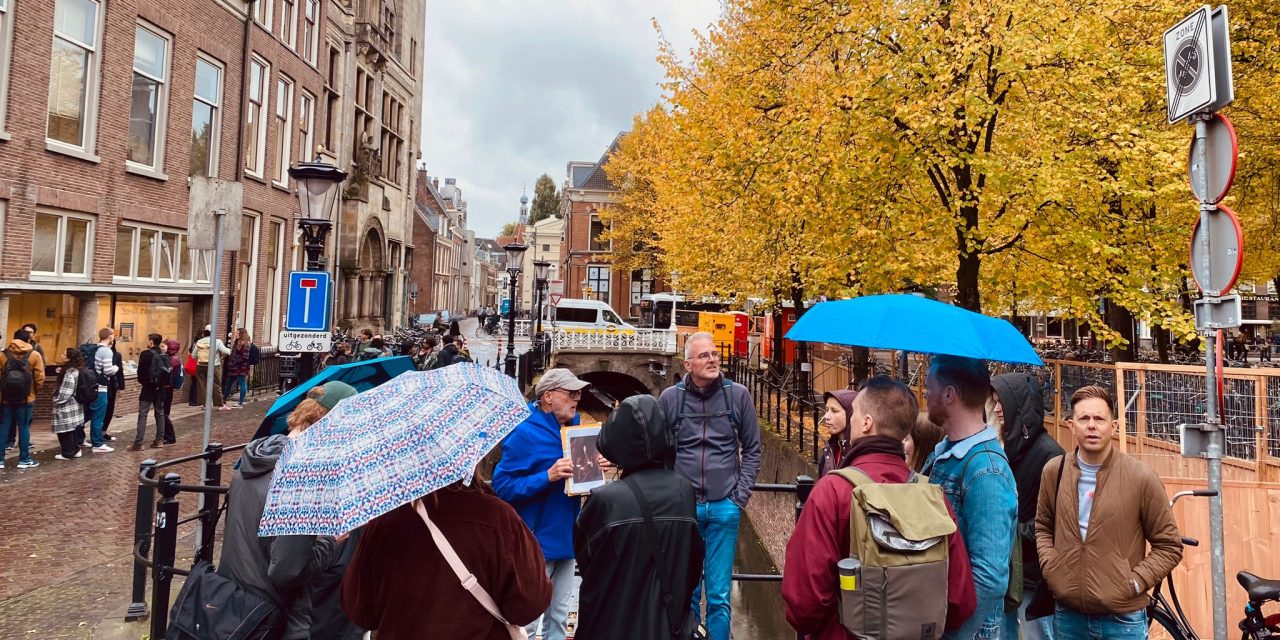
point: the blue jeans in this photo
(1109, 626)
(98, 411)
(553, 621)
(718, 524)
(17, 418)
(1015, 621)
(984, 624)
(233, 382)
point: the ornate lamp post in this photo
(515, 262)
(540, 268)
(317, 183)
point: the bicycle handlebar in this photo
(1204, 493)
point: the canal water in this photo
(757, 606)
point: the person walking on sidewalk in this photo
(68, 413)
(105, 370)
(113, 391)
(177, 379)
(1099, 510)
(35, 344)
(154, 376)
(204, 348)
(21, 377)
(971, 467)
(238, 367)
(718, 450)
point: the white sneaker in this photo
(103, 449)
(62, 457)
(28, 464)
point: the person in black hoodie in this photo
(1019, 415)
(616, 543)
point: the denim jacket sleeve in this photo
(989, 511)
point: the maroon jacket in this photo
(821, 539)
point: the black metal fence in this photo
(779, 403)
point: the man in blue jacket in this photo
(530, 476)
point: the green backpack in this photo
(898, 532)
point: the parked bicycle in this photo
(1167, 612)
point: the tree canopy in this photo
(546, 199)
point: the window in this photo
(389, 24)
(157, 254)
(333, 100)
(1249, 309)
(73, 74)
(262, 12)
(310, 30)
(206, 118)
(641, 284)
(255, 123)
(546, 247)
(289, 22)
(275, 266)
(284, 125)
(60, 246)
(364, 117)
(598, 228)
(392, 138)
(247, 276)
(413, 57)
(598, 283)
(150, 97)
(306, 127)
(6, 47)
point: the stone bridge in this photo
(620, 365)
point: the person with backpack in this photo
(835, 573)
(30, 328)
(154, 376)
(375, 349)
(429, 355)
(638, 533)
(970, 466)
(21, 377)
(68, 411)
(204, 349)
(177, 380)
(114, 387)
(718, 450)
(238, 367)
(100, 359)
(450, 353)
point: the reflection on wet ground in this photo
(757, 606)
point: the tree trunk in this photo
(861, 362)
(970, 261)
(1120, 320)
(1162, 343)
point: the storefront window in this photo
(136, 317)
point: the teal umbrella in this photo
(363, 375)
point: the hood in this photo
(260, 456)
(845, 398)
(1023, 406)
(172, 346)
(635, 435)
(19, 347)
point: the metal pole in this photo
(1214, 451)
(218, 217)
(209, 516)
(143, 514)
(537, 332)
(511, 325)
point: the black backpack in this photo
(161, 370)
(86, 386)
(255, 356)
(90, 352)
(15, 385)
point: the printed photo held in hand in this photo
(580, 448)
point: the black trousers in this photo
(67, 444)
(167, 430)
(111, 408)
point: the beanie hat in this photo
(335, 392)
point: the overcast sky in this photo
(516, 88)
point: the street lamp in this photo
(540, 268)
(317, 183)
(515, 260)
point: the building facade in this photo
(444, 277)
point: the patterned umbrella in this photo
(417, 433)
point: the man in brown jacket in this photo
(21, 376)
(1094, 521)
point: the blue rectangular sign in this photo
(309, 298)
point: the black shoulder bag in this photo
(1041, 604)
(675, 621)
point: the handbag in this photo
(190, 365)
(1042, 602)
(682, 625)
(467, 579)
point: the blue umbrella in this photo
(389, 446)
(363, 375)
(913, 323)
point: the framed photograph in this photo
(126, 332)
(580, 448)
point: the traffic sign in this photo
(1217, 313)
(1217, 253)
(1220, 152)
(555, 299)
(309, 295)
(305, 341)
(1188, 65)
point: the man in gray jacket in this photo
(718, 450)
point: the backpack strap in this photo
(675, 621)
(855, 477)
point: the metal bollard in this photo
(142, 514)
(804, 485)
(164, 553)
(212, 501)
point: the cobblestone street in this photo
(66, 528)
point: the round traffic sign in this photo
(1218, 169)
(1217, 253)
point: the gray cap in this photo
(558, 379)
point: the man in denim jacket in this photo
(971, 467)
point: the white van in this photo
(585, 316)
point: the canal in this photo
(757, 606)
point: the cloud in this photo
(518, 88)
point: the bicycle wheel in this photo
(1170, 625)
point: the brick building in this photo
(107, 106)
(443, 274)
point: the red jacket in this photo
(821, 539)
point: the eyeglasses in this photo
(573, 395)
(710, 356)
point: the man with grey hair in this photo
(718, 450)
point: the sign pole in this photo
(213, 359)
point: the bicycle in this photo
(1254, 626)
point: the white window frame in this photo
(156, 169)
(196, 258)
(260, 149)
(597, 269)
(262, 13)
(306, 126)
(272, 321)
(591, 223)
(250, 289)
(87, 148)
(6, 55)
(638, 286)
(59, 254)
(311, 30)
(284, 141)
(215, 124)
(289, 23)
